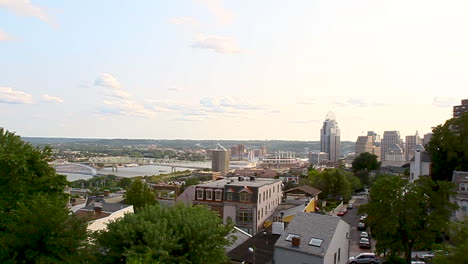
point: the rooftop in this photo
(263, 244)
(315, 230)
(234, 181)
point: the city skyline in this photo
(212, 69)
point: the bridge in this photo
(173, 163)
(74, 168)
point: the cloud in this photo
(227, 105)
(445, 101)
(184, 21)
(308, 101)
(216, 43)
(310, 121)
(25, 8)
(215, 7)
(126, 108)
(4, 36)
(107, 80)
(357, 102)
(53, 99)
(10, 96)
(175, 89)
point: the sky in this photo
(232, 69)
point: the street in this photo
(352, 218)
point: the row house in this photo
(246, 201)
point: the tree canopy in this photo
(448, 148)
(35, 226)
(405, 215)
(334, 183)
(180, 234)
(139, 194)
(366, 161)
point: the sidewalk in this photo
(335, 211)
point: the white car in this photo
(366, 258)
(364, 235)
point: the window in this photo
(229, 196)
(339, 255)
(199, 194)
(334, 259)
(316, 242)
(218, 195)
(463, 187)
(290, 236)
(209, 194)
(245, 216)
(244, 197)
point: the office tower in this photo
(238, 151)
(410, 145)
(363, 144)
(427, 138)
(458, 110)
(392, 146)
(375, 137)
(315, 158)
(220, 161)
(330, 138)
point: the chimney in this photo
(296, 241)
(106, 193)
(252, 178)
(240, 178)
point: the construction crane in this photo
(219, 145)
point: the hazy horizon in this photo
(256, 70)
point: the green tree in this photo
(448, 148)
(455, 252)
(139, 195)
(42, 231)
(366, 161)
(124, 182)
(405, 215)
(334, 183)
(35, 225)
(180, 234)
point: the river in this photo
(143, 170)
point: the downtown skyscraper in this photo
(330, 138)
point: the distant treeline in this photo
(272, 145)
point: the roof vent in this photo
(240, 178)
(252, 178)
(296, 241)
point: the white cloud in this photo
(227, 104)
(25, 8)
(224, 16)
(53, 99)
(184, 21)
(216, 43)
(10, 96)
(126, 108)
(4, 36)
(107, 80)
(175, 89)
(445, 101)
(358, 102)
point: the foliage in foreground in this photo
(179, 234)
(405, 215)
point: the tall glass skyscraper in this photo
(330, 138)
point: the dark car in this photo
(361, 226)
(366, 258)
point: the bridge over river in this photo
(89, 166)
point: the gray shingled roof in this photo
(308, 226)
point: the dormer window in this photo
(244, 197)
(463, 187)
(199, 194)
(209, 194)
(218, 195)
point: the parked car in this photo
(361, 226)
(366, 258)
(364, 243)
(342, 212)
(417, 262)
(350, 206)
(363, 217)
(364, 235)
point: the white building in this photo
(420, 165)
(315, 239)
(460, 179)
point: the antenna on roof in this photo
(219, 145)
